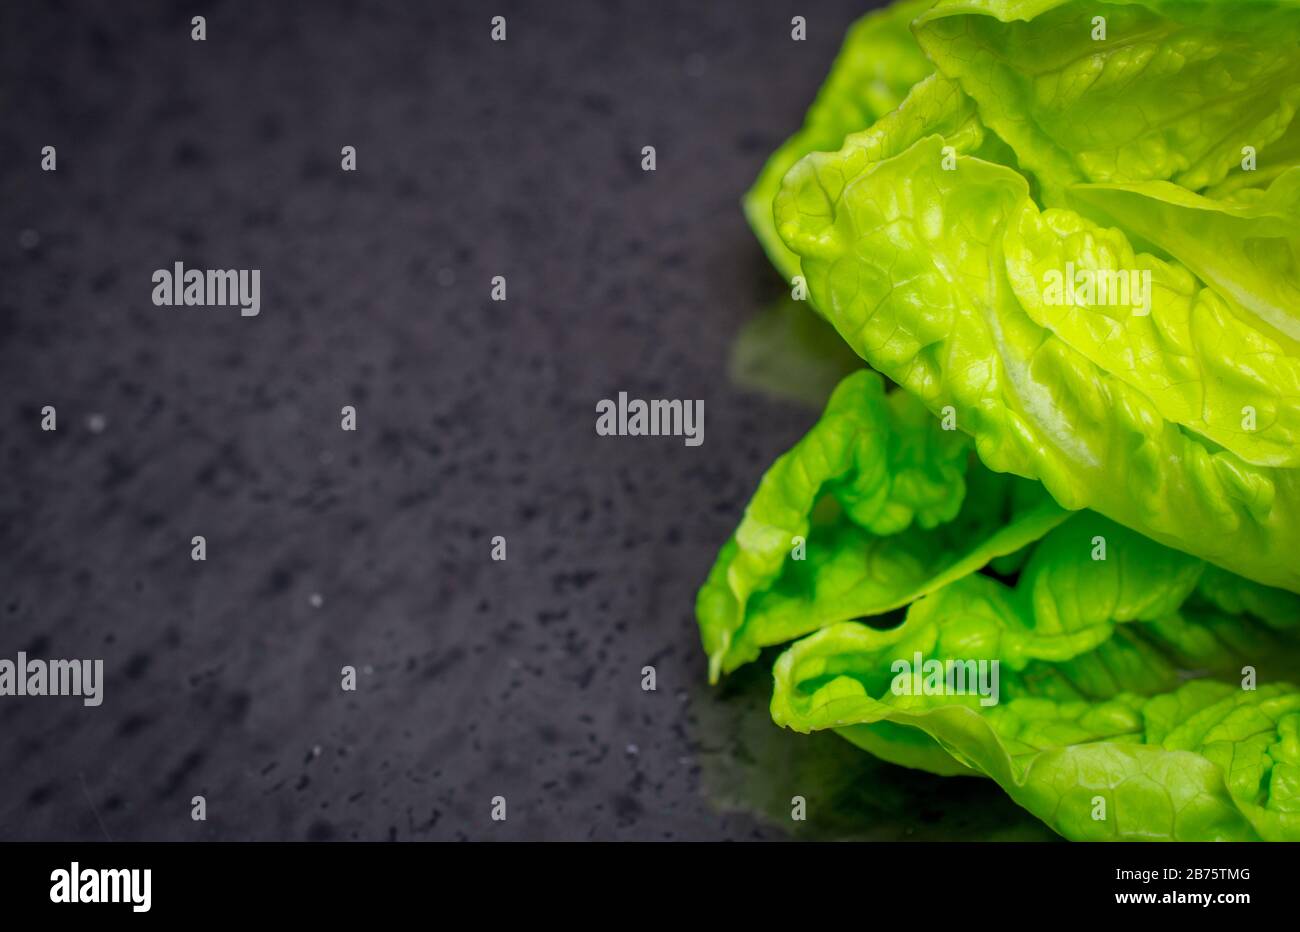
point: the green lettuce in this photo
(875, 507)
(1246, 246)
(1173, 91)
(930, 275)
(1094, 729)
(1073, 244)
(1205, 762)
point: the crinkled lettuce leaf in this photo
(889, 506)
(1186, 765)
(1272, 160)
(1173, 91)
(1234, 595)
(917, 268)
(1191, 352)
(1245, 245)
(1091, 700)
(876, 67)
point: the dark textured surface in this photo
(478, 678)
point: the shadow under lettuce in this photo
(788, 352)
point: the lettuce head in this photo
(1049, 535)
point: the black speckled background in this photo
(476, 418)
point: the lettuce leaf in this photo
(878, 492)
(1091, 701)
(911, 263)
(1187, 765)
(1173, 92)
(1246, 246)
(1272, 160)
(1193, 354)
